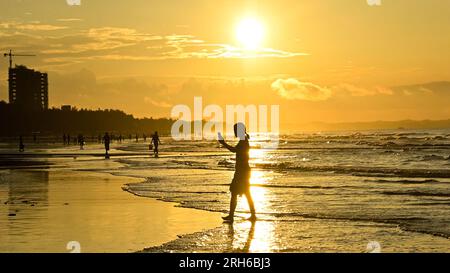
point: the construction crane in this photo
(10, 55)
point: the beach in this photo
(43, 209)
(382, 191)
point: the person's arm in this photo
(226, 145)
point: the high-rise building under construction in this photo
(28, 89)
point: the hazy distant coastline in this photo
(375, 125)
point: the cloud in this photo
(31, 26)
(358, 91)
(108, 38)
(83, 89)
(188, 46)
(74, 46)
(124, 34)
(114, 44)
(156, 103)
(293, 89)
(40, 27)
(431, 88)
(69, 20)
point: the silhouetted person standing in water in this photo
(21, 146)
(241, 181)
(106, 141)
(155, 141)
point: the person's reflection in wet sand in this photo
(248, 242)
(25, 190)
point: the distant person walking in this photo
(106, 141)
(64, 139)
(155, 142)
(241, 180)
(81, 141)
(21, 146)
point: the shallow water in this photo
(391, 186)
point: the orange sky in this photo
(325, 60)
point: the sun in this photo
(250, 33)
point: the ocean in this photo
(369, 185)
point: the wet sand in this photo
(43, 210)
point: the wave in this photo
(127, 188)
(445, 203)
(405, 181)
(359, 170)
(417, 193)
(298, 187)
(434, 158)
(412, 223)
(409, 224)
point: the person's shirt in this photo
(242, 155)
(155, 139)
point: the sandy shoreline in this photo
(41, 210)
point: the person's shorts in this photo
(241, 182)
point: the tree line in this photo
(55, 121)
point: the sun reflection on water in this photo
(252, 236)
(258, 236)
(258, 156)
